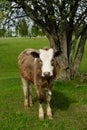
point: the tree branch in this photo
(80, 49)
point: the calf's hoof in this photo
(50, 117)
(26, 104)
(31, 104)
(41, 114)
(41, 117)
(25, 107)
(49, 113)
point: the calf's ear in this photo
(57, 53)
(35, 54)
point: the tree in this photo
(2, 32)
(8, 33)
(23, 28)
(64, 22)
(36, 30)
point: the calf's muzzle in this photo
(46, 74)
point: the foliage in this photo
(2, 32)
(1, 15)
(36, 31)
(23, 28)
(9, 33)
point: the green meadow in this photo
(69, 99)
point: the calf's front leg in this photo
(40, 98)
(48, 97)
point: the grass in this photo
(69, 100)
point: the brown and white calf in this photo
(38, 67)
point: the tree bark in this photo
(63, 73)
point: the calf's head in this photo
(46, 58)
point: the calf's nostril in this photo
(46, 73)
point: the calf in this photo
(38, 67)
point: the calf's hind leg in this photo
(27, 89)
(30, 94)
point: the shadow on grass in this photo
(60, 101)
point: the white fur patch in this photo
(46, 57)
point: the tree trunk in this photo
(63, 72)
(79, 55)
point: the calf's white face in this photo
(46, 57)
